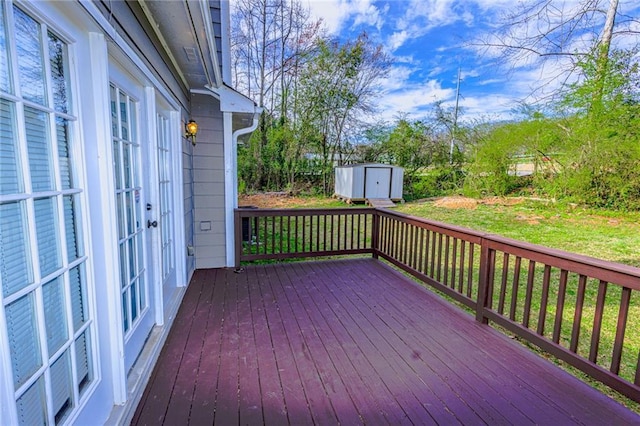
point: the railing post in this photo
(375, 232)
(486, 268)
(237, 238)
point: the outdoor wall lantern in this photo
(191, 130)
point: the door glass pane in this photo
(32, 405)
(114, 113)
(29, 54)
(47, 233)
(120, 215)
(117, 167)
(78, 297)
(62, 136)
(124, 118)
(38, 145)
(126, 165)
(83, 361)
(125, 312)
(57, 55)
(5, 79)
(54, 315)
(10, 182)
(23, 339)
(62, 398)
(73, 251)
(15, 263)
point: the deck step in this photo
(380, 202)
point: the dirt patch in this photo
(282, 200)
(456, 203)
(472, 203)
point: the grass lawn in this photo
(613, 236)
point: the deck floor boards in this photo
(349, 342)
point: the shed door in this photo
(377, 182)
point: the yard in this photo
(613, 236)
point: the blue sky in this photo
(429, 39)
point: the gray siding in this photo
(208, 184)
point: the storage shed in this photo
(359, 182)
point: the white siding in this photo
(208, 184)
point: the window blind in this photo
(47, 235)
(62, 398)
(15, 264)
(23, 339)
(70, 227)
(9, 181)
(83, 366)
(78, 297)
(32, 406)
(36, 125)
(62, 137)
(55, 318)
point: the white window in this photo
(43, 257)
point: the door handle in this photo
(151, 224)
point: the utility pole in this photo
(455, 120)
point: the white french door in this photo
(165, 211)
(136, 279)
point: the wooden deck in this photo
(349, 342)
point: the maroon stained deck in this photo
(349, 342)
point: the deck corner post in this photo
(375, 232)
(483, 283)
(237, 238)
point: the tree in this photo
(337, 86)
(561, 34)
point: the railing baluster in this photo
(597, 321)
(273, 234)
(433, 253)
(577, 316)
(454, 252)
(516, 284)
(623, 313)
(491, 279)
(420, 260)
(426, 252)
(257, 220)
(544, 299)
(529, 294)
(637, 378)
(414, 247)
(324, 233)
(288, 234)
(338, 233)
(470, 270)
(281, 232)
(503, 283)
(562, 291)
(446, 260)
(440, 237)
(461, 273)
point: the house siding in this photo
(208, 184)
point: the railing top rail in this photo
(457, 231)
(250, 212)
(617, 273)
(602, 269)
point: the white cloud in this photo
(396, 40)
(335, 13)
(413, 99)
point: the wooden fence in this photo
(582, 310)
